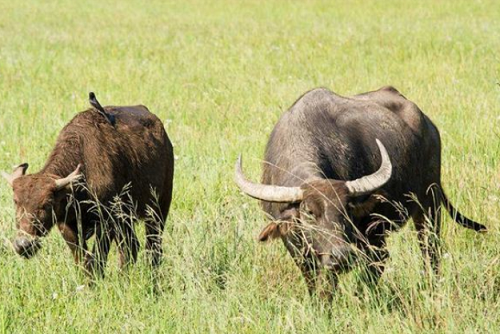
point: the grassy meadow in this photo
(220, 74)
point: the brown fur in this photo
(136, 150)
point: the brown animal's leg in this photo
(320, 282)
(155, 224)
(96, 262)
(374, 253)
(128, 244)
(154, 231)
(376, 256)
(303, 259)
(310, 272)
(428, 225)
(77, 246)
(326, 285)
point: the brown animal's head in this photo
(37, 199)
(324, 209)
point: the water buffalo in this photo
(341, 172)
(133, 153)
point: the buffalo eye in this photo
(308, 210)
(48, 204)
(47, 207)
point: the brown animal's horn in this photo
(369, 183)
(18, 172)
(74, 176)
(266, 192)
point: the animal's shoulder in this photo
(389, 98)
(318, 97)
(322, 106)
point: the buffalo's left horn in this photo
(74, 176)
(369, 183)
(266, 192)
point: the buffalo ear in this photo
(17, 172)
(365, 207)
(270, 231)
(280, 227)
(275, 230)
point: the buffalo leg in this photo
(374, 255)
(154, 231)
(303, 260)
(96, 262)
(326, 285)
(310, 272)
(77, 246)
(428, 225)
(371, 243)
(155, 224)
(374, 266)
(320, 282)
(128, 244)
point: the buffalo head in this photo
(37, 199)
(322, 210)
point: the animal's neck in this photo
(65, 156)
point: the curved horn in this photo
(18, 172)
(74, 176)
(372, 182)
(265, 192)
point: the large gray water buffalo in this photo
(341, 172)
(109, 149)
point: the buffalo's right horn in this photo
(74, 176)
(369, 183)
(266, 192)
(18, 172)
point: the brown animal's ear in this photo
(281, 227)
(275, 230)
(365, 207)
(18, 172)
(270, 231)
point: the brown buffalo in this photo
(133, 153)
(341, 172)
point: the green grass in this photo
(220, 73)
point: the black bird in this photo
(94, 103)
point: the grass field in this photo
(219, 74)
